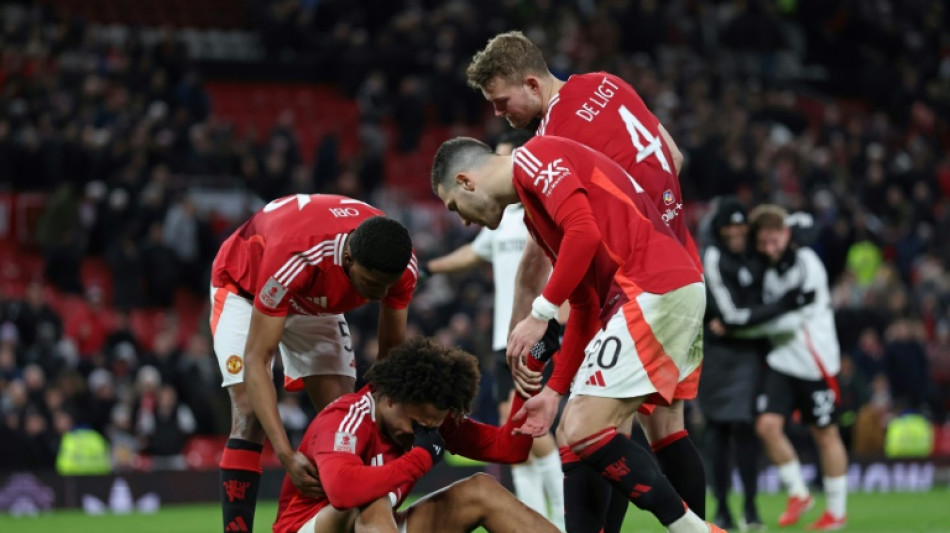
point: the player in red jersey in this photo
(372, 446)
(282, 280)
(605, 113)
(637, 299)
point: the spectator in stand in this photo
(33, 313)
(905, 364)
(165, 430)
(196, 376)
(102, 399)
(161, 269)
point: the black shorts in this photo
(503, 381)
(782, 394)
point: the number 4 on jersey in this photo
(638, 133)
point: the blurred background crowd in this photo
(134, 142)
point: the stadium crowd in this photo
(762, 102)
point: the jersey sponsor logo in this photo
(511, 245)
(549, 176)
(234, 364)
(344, 442)
(236, 490)
(598, 100)
(670, 213)
(546, 177)
(272, 293)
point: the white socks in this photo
(527, 480)
(836, 493)
(552, 479)
(791, 475)
(688, 523)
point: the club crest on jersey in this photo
(344, 442)
(272, 293)
(668, 197)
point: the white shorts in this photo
(312, 345)
(652, 346)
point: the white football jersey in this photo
(503, 247)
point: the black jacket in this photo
(732, 368)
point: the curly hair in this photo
(421, 371)
(381, 243)
(510, 56)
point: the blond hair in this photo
(767, 216)
(510, 56)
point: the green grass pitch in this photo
(868, 513)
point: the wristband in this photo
(542, 309)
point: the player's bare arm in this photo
(262, 340)
(392, 328)
(533, 272)
(462, 258)
(581, 238)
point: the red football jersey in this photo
(359, 464)
(635, 239)
(288, 257)
(605, 113)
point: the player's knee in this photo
(826, 436)
(478, 490)
(578, 428)
(767, 426)
(662, 423)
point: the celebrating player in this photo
(282, 280)
(802, 370)
(614, 258)
(605, 113)
(503, 247)
(372, 446)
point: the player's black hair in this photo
(515, 138)
(454, 156)
(381, 243)
(421, 371)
